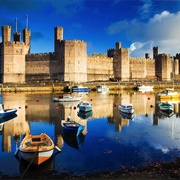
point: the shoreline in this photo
(64, 87)
(156, 171)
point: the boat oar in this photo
(58, 149)
(16, 152)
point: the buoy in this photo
(57, 108)
(16, 152)
(57, 148)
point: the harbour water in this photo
(109, 142)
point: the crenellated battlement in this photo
(40, 56)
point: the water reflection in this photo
(109, 140)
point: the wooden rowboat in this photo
(36, 149)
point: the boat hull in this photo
(80, 89)
(37, 157)
(8, 113)
(72, 127)
(72, 99)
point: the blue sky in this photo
(138, 24)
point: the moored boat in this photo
(85, 106)
(168, 93)
(66, 98)
(36, 149)
(144, 88)
(126, 108)
(72, 126)
(166, 106)
(102, 88)
(80, 88)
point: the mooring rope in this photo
(29, 163)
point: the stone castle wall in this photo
(70, 62)
(99, 67)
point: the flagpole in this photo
(27, 21)
(16, 24)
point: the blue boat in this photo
(72, 127)
(80, 88)
(85, 106)
(6, 112)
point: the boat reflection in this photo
(36, 171)
(166, 113)
(129, 116)
(7, 118)
(72, 140)
(85, 115)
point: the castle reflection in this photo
(41, 108)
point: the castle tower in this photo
(155, 52)
(121, 63)
(12, 57)
(6, 34)
(58, 37)
(26, 36)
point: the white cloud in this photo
(161, 30)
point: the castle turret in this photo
(155, 52)
(6, 34)
(26, 36)
(58, 37)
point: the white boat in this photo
(166, 106)
(126, 108)
(66, 98)
(36, 149)
(85, 106)
(168, 93)
(144, 88)
(102, 88)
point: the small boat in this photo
(6, 112)
(166, 106)
(66, 98)
(126, 108)
(85, 115)
(72, 127)
(36, 149)
(102, 88)
(85, 106)
(144, 88)
(80, 88)
(168, 93)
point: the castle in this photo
(70, 63)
